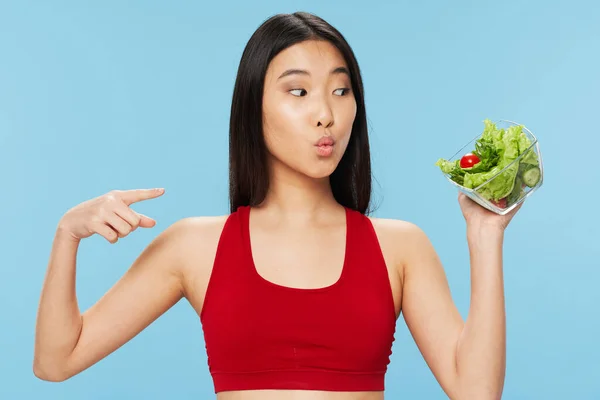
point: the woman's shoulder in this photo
(399, 239)
(193, 240)
(396, 228)
(199, 224)
(196, 230)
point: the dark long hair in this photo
(248, 167)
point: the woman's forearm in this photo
(481, 349)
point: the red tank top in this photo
(260, 335)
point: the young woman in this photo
(298, 290)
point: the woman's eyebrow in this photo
(335, 71)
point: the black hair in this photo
(248, 166)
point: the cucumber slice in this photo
(531, 176)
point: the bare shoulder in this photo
(399, 231)
(195, 230)
(395, 227)
(195, 240)
(399, 239)
(177, 236)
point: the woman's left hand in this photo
(479, 217)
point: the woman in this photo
(298, 290)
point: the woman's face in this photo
(308, 108)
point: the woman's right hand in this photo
(108, 215)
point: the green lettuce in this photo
(496, 150)
(507, 144)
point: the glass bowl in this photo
(525, 174)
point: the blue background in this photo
(109, 95)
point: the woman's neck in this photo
(295, 196)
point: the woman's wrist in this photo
(485, 232)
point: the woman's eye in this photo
(343, 90)
(298, 92)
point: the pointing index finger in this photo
(135, 195)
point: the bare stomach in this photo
(298, 395)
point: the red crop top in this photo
(260, 335)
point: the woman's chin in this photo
(321, 170)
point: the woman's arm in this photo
(66, 341)
(467, 358)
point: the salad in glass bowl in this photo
(498, 169)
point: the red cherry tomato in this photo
(468, 160)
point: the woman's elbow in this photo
(49, 372)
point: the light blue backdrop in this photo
(111, 95)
